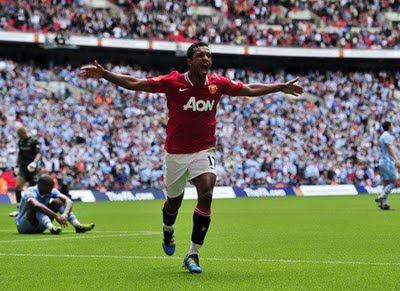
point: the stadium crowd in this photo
(108, 137)
(334, 24)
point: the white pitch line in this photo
(81, 237)
(71, 231)
(204, 259)
(12, 231)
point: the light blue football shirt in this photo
(33, 192)
(386, 139)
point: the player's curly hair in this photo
(190, 51)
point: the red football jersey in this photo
(192, 108)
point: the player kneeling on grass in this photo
(36, 212)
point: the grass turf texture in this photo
(301, 243)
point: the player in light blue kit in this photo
(36, 212)
(388, 164)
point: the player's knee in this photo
(31, 211)
(31, 215)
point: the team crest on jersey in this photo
(213, 89)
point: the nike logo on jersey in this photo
(199, 105)
(183, 89)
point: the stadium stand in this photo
(316, 24)
(96, 135)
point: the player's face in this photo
(201, 61)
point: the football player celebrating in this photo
(190, 144)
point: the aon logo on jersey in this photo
(200, 105)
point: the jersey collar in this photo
(190, 82)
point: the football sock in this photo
(386, 190)
(168, 219)
(71, 217)
(168, 228)
(194, 249)
(73, 220)
(18, 196)
(201, 222)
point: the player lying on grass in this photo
(36, 212)
(388, 164)
(190, 145)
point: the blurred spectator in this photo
(7, 181)
(337, 24)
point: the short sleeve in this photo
(231, 87)
(161, 84)
(55, 193)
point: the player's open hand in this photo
(293, 89)
(62, 220)
(94, 71)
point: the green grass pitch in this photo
(288, 243)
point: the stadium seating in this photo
(316, 24)
(97, 135)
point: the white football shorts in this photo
(181, 168)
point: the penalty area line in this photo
(283, 261)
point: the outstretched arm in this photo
(97, 71)
(263, 89)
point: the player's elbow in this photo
(249, 90)
(245, 91)
(253, 93)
